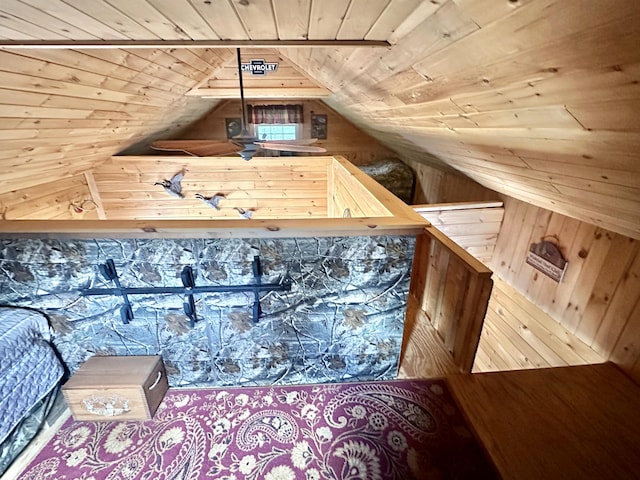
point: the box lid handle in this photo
(155, 384)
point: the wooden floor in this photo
(577, 422)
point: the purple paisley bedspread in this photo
(375, 431)
(29, 368)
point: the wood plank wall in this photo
(473, 226)
(517, 335)
(439, 184)
(269, 187)
(52, 200)
(598, 300)
(64, 111)
(285, 82)
(536, 99)
(518, 332)
(343, 138)
(348, 197)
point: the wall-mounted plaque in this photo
(319, 126)
(547, 258)
(234, 127)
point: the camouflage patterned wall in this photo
(342, 320)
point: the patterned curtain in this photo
(275, 114)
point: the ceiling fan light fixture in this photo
(248, 153)
(245, 137)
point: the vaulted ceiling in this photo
(536, 99)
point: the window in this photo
(276, 131)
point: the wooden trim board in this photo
(166, 44)
(209, 228)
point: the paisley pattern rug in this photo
(374, 431)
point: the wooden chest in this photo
(117, 388)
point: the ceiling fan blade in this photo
(198, 148)
(300, 141)
(288, 147)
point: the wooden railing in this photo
(373, 209)
(346, 190)
(453, 288)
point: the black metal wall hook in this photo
(189, 305)
(109, 272)
(189, 289)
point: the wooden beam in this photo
(275, 92)
(284, 228)
(129, 44)
(95, 195)
(436, 207)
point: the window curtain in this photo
(275, 114)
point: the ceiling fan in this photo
(248, 144)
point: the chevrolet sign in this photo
(259, 67)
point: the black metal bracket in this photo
(109, 272)
(189, 289)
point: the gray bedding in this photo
(29, 367)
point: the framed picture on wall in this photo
(319, 126)
(234, 127)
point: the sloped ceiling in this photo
(285, 82)
(536, 99)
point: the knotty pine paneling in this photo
(348, 197)
(473, 226)
(63, 111)
(598, 300)
(285, 81)
(438, 185)
(534, 99)
(343, 138)
(519, 335)
(424, 354)
(222, 19)
(269, 187)
(50, 200)
(452, 291)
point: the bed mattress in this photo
(29, 367)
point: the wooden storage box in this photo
(117, 388)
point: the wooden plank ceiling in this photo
(536, 99)
(286, 82)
